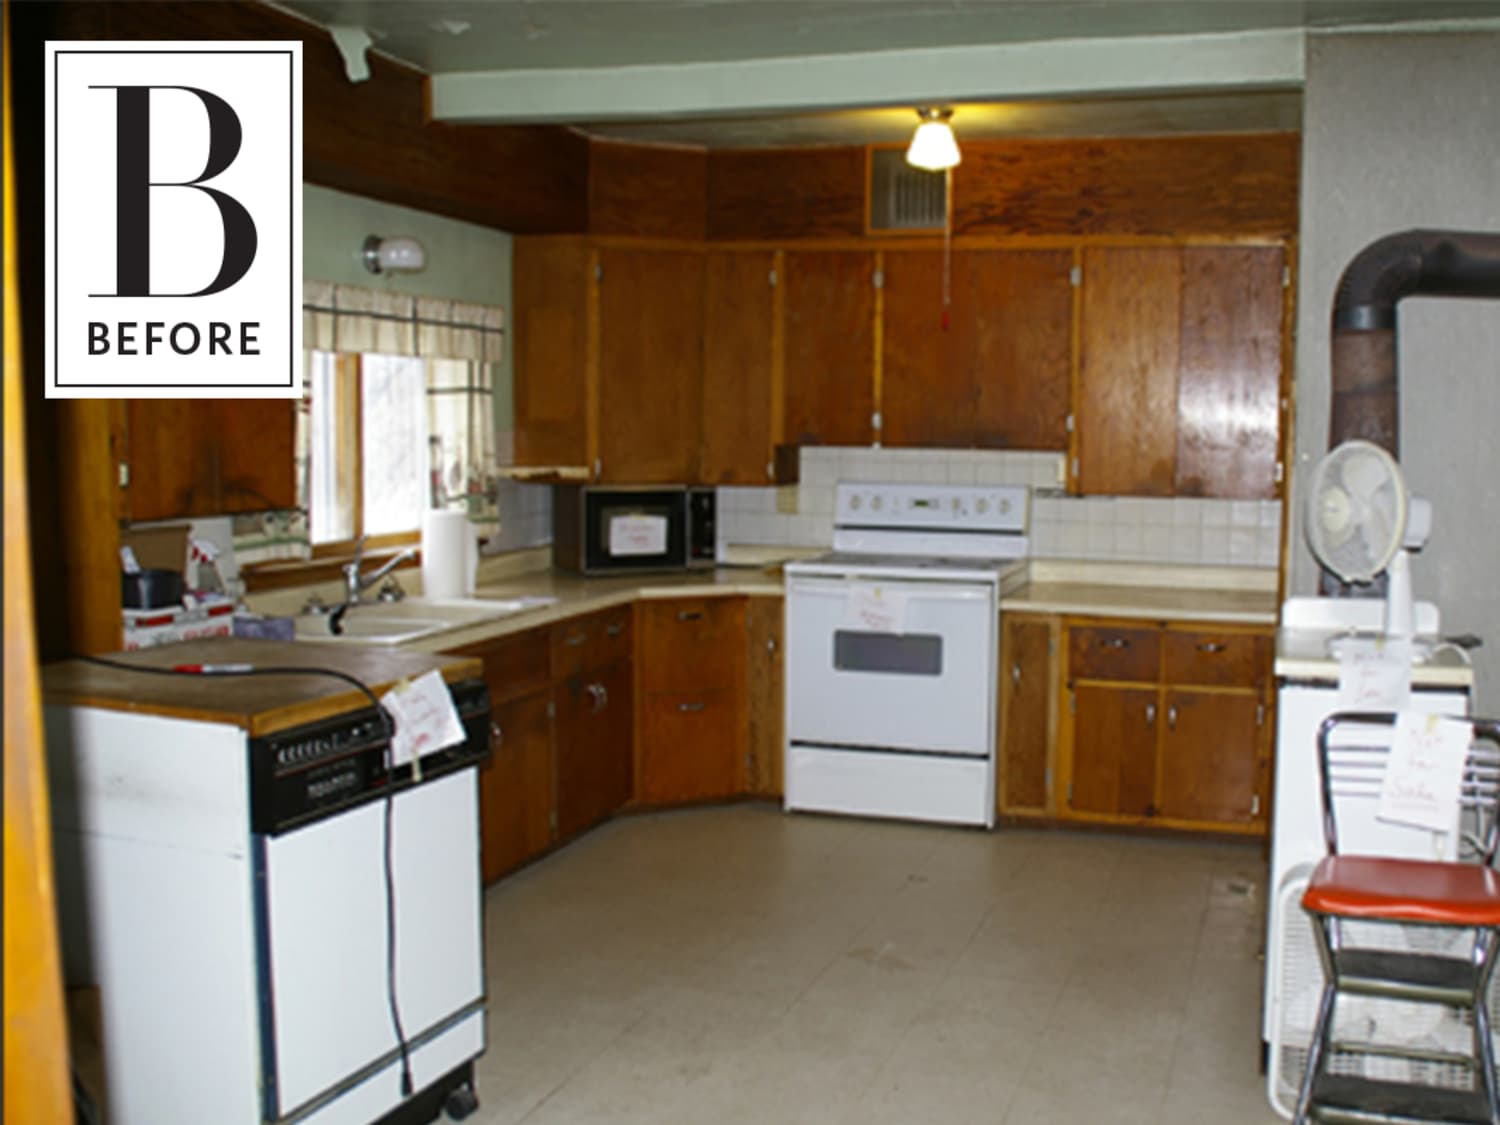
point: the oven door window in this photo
(901, 654)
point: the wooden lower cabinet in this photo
(765, 689)
(595, 769)
(1027, 721)
(690, 746)
(1114, 750)
(1211, 762)
(516, 786)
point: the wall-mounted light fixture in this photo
(400, 253)
(933, 146)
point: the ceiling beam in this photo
(1058, 68)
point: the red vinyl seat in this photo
(1405, 890)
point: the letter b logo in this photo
(134, 184)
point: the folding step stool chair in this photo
(1457, 896)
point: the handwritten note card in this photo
(1375, 676)
(426, 719)
(876, 609)
(637, 535)
(1424, 772)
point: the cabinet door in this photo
(1113, 760)
(650, 364)
(692, 643)
(1127, 383)
(1210, 757)
(1229, 378)
(739, 311)
(829, 347)
(1026, 665)
(595, 764)
(516, 786)
(203, 457)
(765, 727)
(552, 295)
(994, 372)
(692, 743)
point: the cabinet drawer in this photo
(595, 641)
(1106, 652)
(690, 746)
(513, 665)
(692, 644)
(1217, 659)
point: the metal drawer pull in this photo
(576, 639)
(690, 615)
(1212, 646)
(497, 736)
(691, 706)
(1150, 714)
(1015, 674)
(1116, 642)
(600, 697)
(615, 629)
(1172, 717)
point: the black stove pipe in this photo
(1414, 263)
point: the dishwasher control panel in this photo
(301, 775)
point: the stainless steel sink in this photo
(394, 623)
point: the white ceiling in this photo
(749, 73)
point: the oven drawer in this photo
(1108, 652)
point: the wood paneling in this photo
(1220, 185)
(648, 190)
(1210, 767)
(830, 347)
(1127, 385)
(764, 690)
(1114, 750)
(650, 348)
(373, 137)
(1026, 663)
(552, 278)
(1229, 374)
(991, 373)
(786, 193)
(738, 341)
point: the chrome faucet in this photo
(356, 583)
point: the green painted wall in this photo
(464, 262)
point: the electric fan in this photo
(1361, 522)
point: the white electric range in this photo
(892, 651)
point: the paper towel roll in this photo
(449, 555)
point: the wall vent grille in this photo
(903, 197)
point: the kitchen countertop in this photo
(1250, 607)
(1303, 654)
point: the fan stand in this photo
(1399, 615)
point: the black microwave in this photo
(617, 529)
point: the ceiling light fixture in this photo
(933, 146)
(400, 253)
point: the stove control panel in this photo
(932, 507)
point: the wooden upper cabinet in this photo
(1180, 371)
(1229, 373)
(551, 293)
(1127, 382)
(204, 457)
(993, 372)
(829, 347)
(650, 359)
(739, 355)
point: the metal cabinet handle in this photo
(770, 644)
(615, 629)
(1116, 642)
(497, 736)
(576, 639)
(600, 697)
(686, 707)
(1172, 717)
(1015, 674)
(1150, 714)
(1212, 647)
(689, 615)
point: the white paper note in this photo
(1375, 677)
(637, 535)
(876, 609)
(1424, 772)
(426, 719)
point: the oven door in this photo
(893, 665)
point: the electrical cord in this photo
(388, 729)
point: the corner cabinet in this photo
(1165, 725)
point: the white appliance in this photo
(1311, 633)
(891, 652)
(228, 895)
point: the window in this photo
(398, 413)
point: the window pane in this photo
(330, 515)
(461, 422)
(394, 443)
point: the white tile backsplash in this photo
(1124, 528)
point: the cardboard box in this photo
(164, 547)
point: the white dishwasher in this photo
(259, 911)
